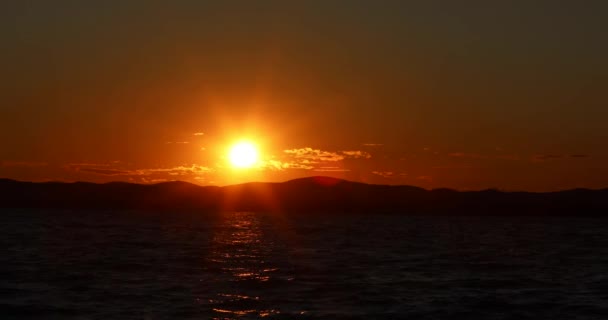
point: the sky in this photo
(465, 95)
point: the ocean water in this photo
(241, 265)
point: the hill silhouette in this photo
(313, 195)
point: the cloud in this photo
(317, 155)
(27, 164)
(178, 142)
(314, 154)
(384, 174)
(312, 159)
(154, 180)
(357, 154)
(373, 144)
(106, 170)
(103, 169)
(549, 157)
(282, 165)
(467, 155)
(546, 157)
(178, 171)
(331, 169)
(450, 167)
(482, 156)
(198, 134)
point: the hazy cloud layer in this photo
(179, 171)
(384, 174)
(331, 169)
(549, 157)
(28, 164)
(107, 170)
(467, 155)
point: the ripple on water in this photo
(243, 265)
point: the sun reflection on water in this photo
(242, 252)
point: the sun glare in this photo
(243, 155)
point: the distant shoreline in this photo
(306, 195)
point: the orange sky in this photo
(510, 96)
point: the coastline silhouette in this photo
(312, 195)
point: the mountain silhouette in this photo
(313, 195)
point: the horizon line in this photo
(336, 180)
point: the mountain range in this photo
(312, 195)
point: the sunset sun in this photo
(243, 155)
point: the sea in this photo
(80, 264)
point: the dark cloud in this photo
(546, 157)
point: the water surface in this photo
(144, 265)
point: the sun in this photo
(243, 154)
